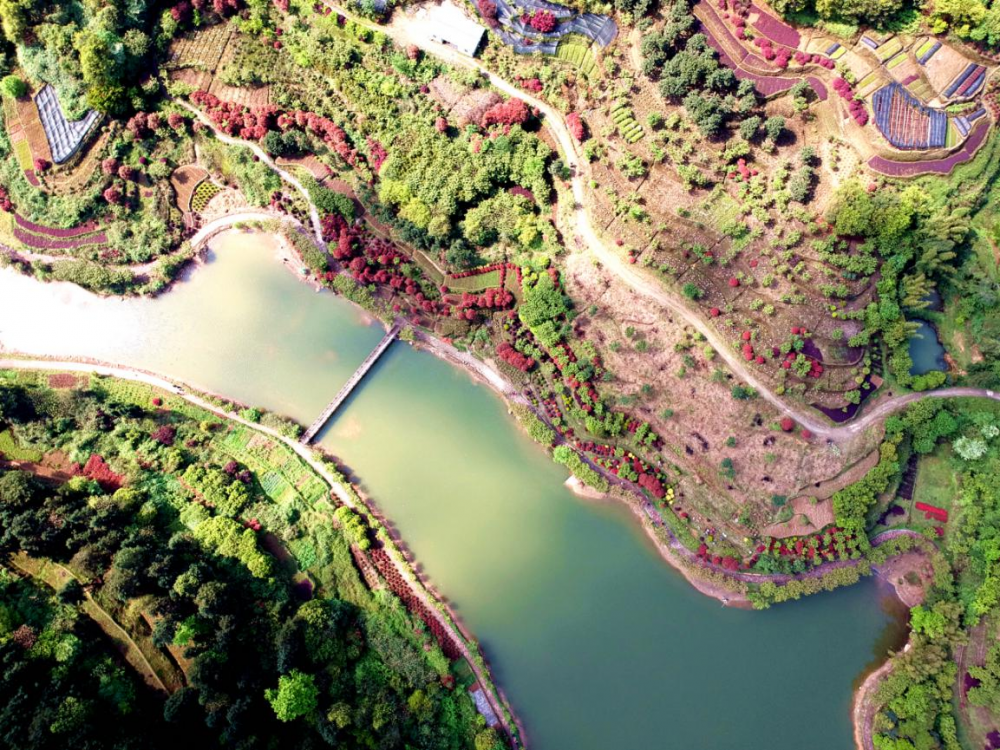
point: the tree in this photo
(296, 695)
(749, 127)
(13, 87)
(774, 127)
(872, 11)
(970, 449)
(692, 291)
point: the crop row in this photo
(50, 243)
(401, 588)
(627, 125)
(89, 228)
(202, 195)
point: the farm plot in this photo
(888, 50)
(202, 49)
(968, 83)
(203, 193)
(64, 137)
(774, 29)
(283, 475)
(78, 172)
(477, 283)
(578, 54)
(892, 168)
(624, 119)
(944, 67)
(905, 122)
(926, 50)
(185, 181)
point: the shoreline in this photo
(481, 372)
(702, 584)
(345, 491)
(862, 710)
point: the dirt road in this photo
(401, 30)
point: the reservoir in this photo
(597, 643)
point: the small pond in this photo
(926, 350)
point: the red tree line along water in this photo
(401, 588)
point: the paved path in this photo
(208, 231)
(307, 455)
(640, 281)
(265, 159)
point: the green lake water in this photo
(926, 350)
(597, 643)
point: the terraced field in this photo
(577, 52)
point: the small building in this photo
(447, 24)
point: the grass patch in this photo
(937, 483)
(477, 283)
(10, 449)
(429, 267)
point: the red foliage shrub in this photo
(181, 12)
(488, 10)
(101, 473)
(377, 154)
(734, 282)
(542, 21)
(25, 637)
(510, 112)
(110, 166)
(41, 165)
(715, 312)
(511, 356)
(787, 424)
(576, 127)
(127, 173)
(165, 434)
(176, 121)
(5, 202)
(114, 196)
(523, 192)
(652, 485)
(441, 125)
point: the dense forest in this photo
(238, 585)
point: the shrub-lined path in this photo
(336, 487)
(639, 281)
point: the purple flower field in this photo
(774, 29)
(938, 166)
(88, 228)
(52, 243)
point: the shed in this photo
(447, 24)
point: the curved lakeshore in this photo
(538, 575)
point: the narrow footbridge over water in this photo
(351, 384)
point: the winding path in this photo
(204, 234)
(306, 454)
(262, 155)
(639, 281)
